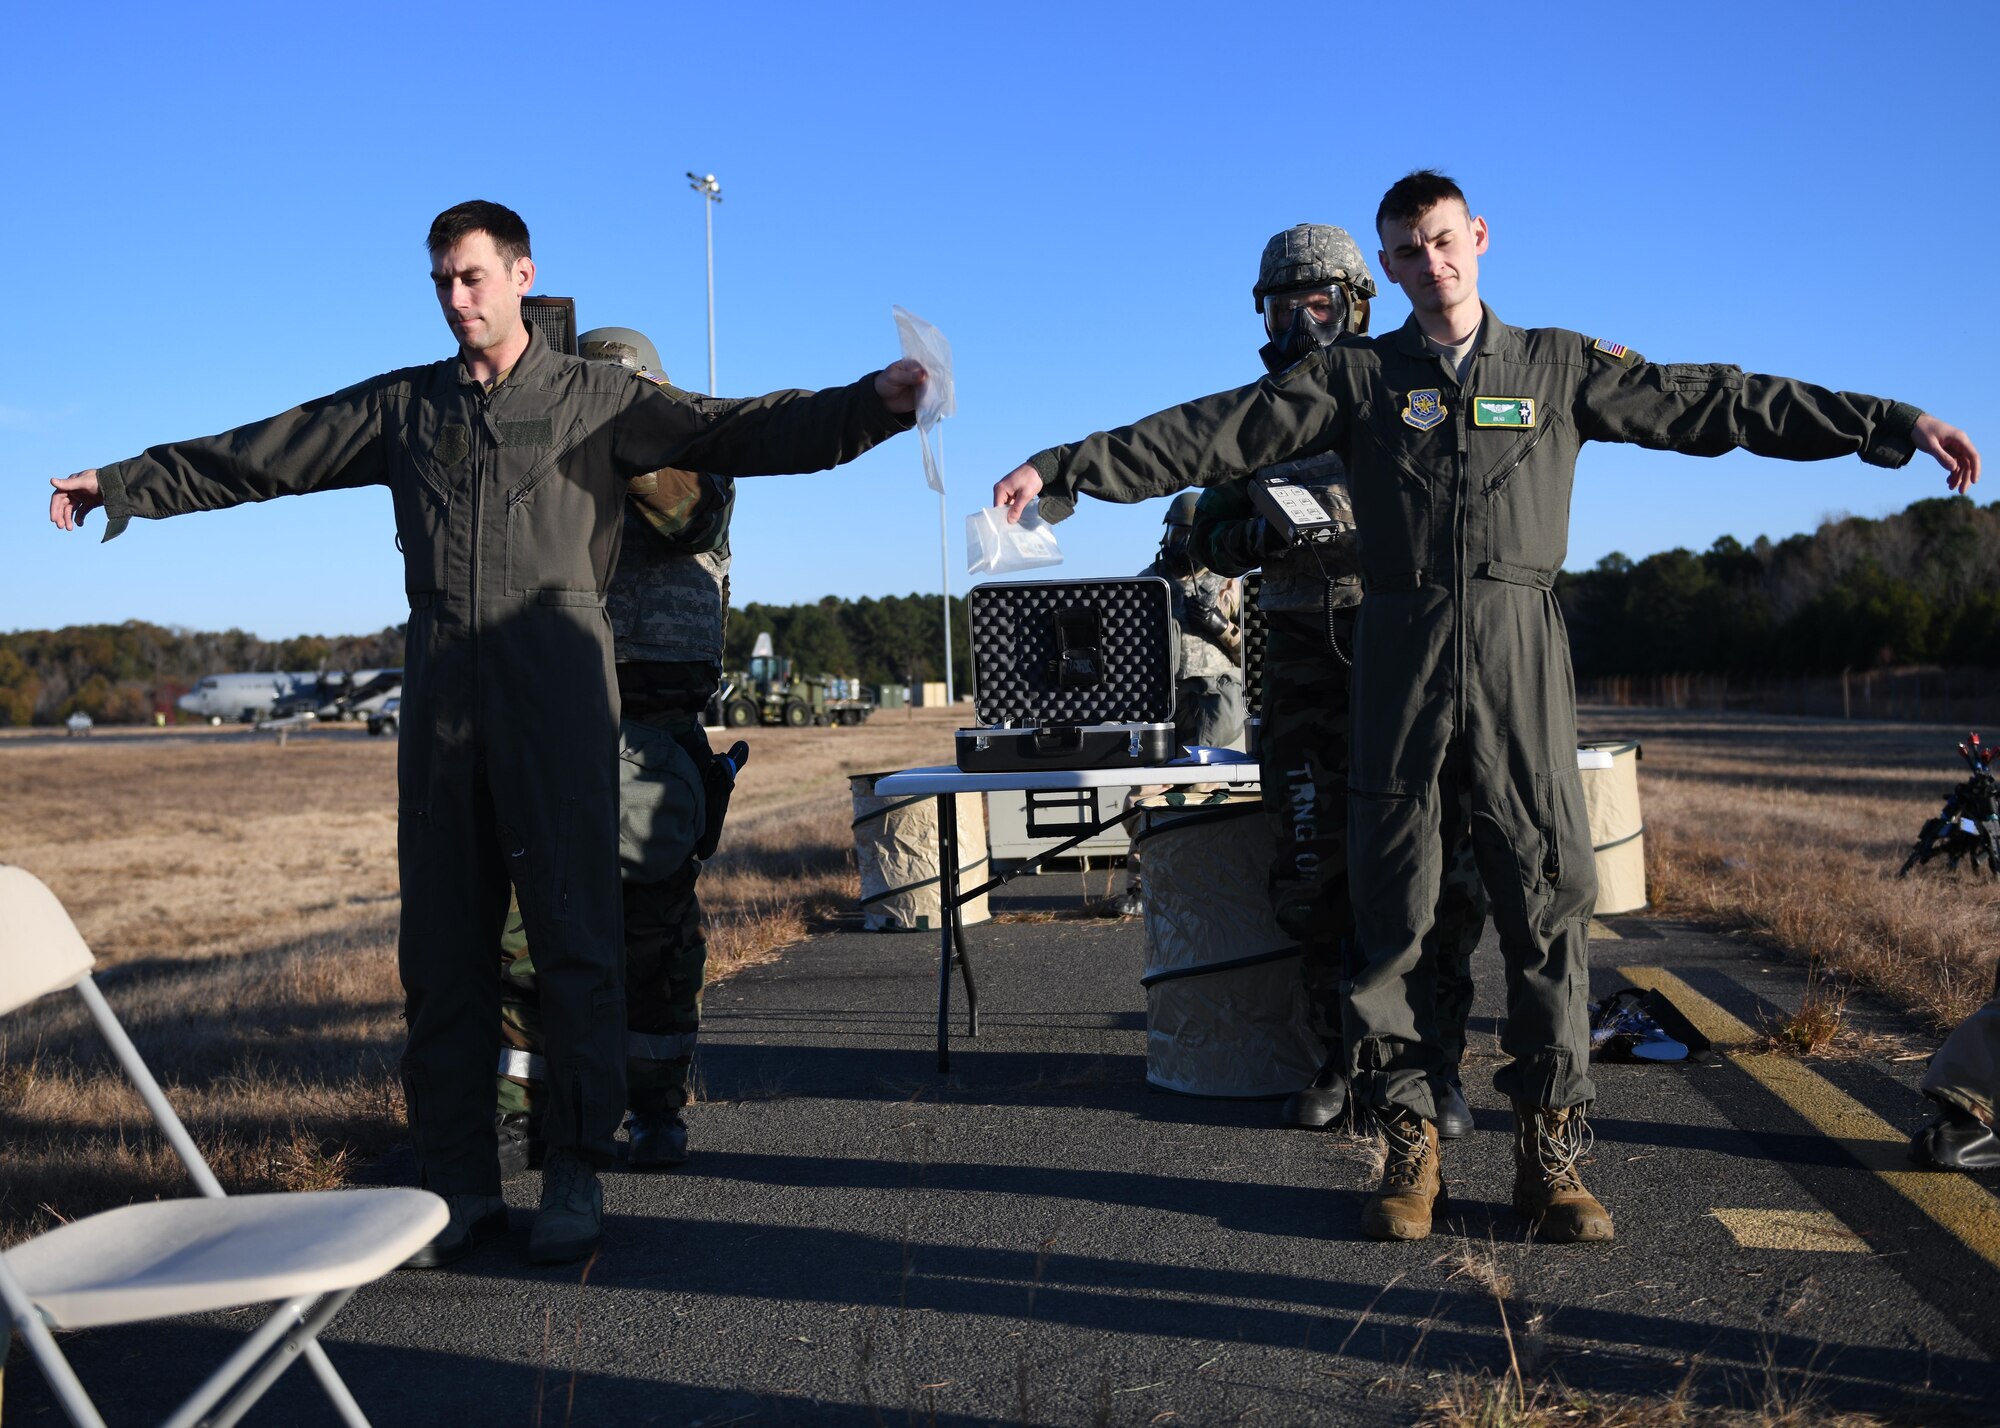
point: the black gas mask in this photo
(1300, 323)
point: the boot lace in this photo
(1562, 1141)
(562, 1182)
(1408, 1150)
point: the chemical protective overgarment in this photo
(1462, 682)
(509, 506)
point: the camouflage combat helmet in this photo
(621, 345)
(1309, 255)
(1180, 510)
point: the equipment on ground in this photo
(1968, 827)
(769, 692)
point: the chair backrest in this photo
(40, 949)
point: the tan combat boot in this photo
(1548, 1190)
(1412, 1186)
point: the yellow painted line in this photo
(1816, 1230)
(1600, 933)
(1956, 1202)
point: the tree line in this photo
(123, 674)
(1921, 586)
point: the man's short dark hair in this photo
(1415, 194)
(502, 224)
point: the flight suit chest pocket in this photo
(1522, 480)
(552, 512)
(425, 500)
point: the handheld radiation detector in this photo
(1293, 510)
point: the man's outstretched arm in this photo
(331, 443)
(768, 435)
(1705, 410)
(1294, 413)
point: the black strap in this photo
(1234, 964)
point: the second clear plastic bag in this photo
(992, 547)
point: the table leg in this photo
(947, 919)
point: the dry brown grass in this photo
(1792, 829)
(241, 900)
(1480, 1401)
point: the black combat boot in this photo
(1956, 1140)
(657, 1138)
(1319, 1105)
(520, 1143)
(474, 1220)
(1454, 1116)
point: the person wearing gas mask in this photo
(1313, 286)
(1208, 699)
(667, 601)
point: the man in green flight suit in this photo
(667, 602)
(1313, 287)
(508, 464)
(1460, 435)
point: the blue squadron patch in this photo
(1424, 410)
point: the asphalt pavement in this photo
(1039, 1238)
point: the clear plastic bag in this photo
(992, 547)
(925, 344)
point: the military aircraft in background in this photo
(240, 696)
(276, 694)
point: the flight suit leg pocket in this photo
(1568, 866)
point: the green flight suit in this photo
(1462, 685)
(1302, 749)
(508, 508)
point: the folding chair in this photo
(310, 1251)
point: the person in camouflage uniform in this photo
(667, 601)
(1312, 286)
(1208, 699)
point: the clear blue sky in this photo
(215, 212)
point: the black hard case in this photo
(1071, 674)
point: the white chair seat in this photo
(176, 1257)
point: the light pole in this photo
(711, 193)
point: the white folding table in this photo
(946, 781)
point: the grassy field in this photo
(1793, 829)
(241, 898)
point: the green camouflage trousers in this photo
(1303, 753)
(666, 948)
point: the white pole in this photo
(708, 223)
(945, 565)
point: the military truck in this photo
(769, 692)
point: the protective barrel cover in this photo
(896, 851)
(1073, 652)
(1617, 833)
(1225, 999)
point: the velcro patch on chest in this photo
(1423, 410)
(451, 446)
(539, 432)
(1503, 411)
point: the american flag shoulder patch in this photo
(1618, 351)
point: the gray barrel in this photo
(1225, 995)
(896, 850)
